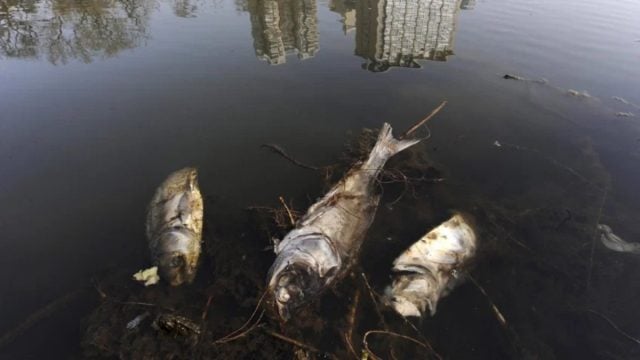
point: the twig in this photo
(351, 321)
(241, 329)
(243, 333)
(496, 311)
(104, 296)
(206, 308)
(37, 316)
(292, 341)
(415, 127)
(613, 325)
(513, 337)
(136, 303)
(281, 219)
(553, 161)
(96, 285)
(385, 332)
(284, 204)
(280, 151)
(373, 295)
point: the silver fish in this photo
(429, 269)
(326, 241)
(174, 226)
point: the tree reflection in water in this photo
(60, 30)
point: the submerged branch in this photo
(246, 327)
(615, 327)
(501, 319)
(393, 334)
(37, 316)
(280, 151)
(351, 323)
(292, 219)
(292, 341)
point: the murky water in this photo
(101, 99)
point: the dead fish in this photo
(429, 269)
(327, 239)
(616, 243)
(174, 226)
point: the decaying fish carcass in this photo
(326, 241)
(174, 226)
(429, 269)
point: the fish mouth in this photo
(177, 259)
(294, 287)
(175, 268)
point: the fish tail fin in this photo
(389, 145)
(386, 146)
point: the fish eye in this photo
(177, 261)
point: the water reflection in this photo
(282, 27)
(400, 32)
(64, 29)
(347, 10)
(467, 4)
(184, 8)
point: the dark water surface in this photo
(101, 99)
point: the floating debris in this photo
(625, 101)
(137, 320)
(429, 269)
(625, 114)
(497, 143)
(615, 243)
(147, 276)
(513, 77)
(579, 94)
(326, 242)
(176, 326)
(520, 78)
(620, 99)
(174, 226)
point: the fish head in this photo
(411, 295)
(306, 263)
(177, 257)
(294, 286)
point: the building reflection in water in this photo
(282, 27)
(400, 32)
(347, 9)
(64, 29)
(467, 4)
